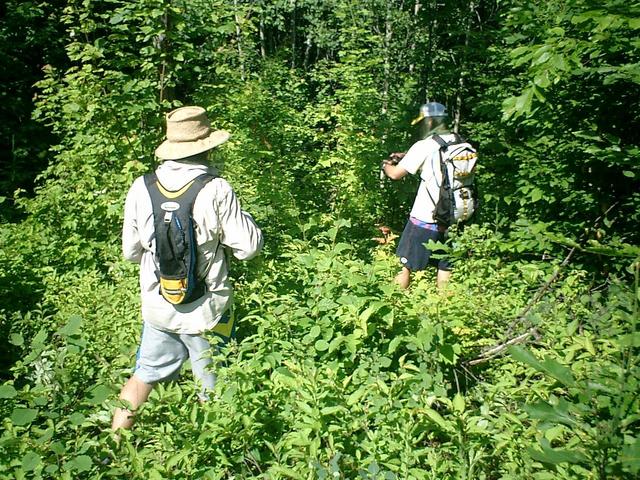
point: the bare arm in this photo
(392, 169)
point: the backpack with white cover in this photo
(458, 199)
(176, 246)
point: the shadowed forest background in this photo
(527, 370)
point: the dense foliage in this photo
(336, 372)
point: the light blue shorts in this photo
(161, 356)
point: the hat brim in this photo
(422, 116)
(418, 119)
(177, 150)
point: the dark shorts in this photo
(412, 252)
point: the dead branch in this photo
(498, 349)
(532, 332)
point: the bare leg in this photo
(135, 392)
(403, 278)
(443, 279)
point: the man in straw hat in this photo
(173, 333)
(423, 157)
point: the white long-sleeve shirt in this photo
(220, 225)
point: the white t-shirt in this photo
(220, 225)
(424, 157)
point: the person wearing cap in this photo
(422, 158)
(174, 333)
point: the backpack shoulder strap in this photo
(457, 138)
(188, 191)
(201, 180)
(440, 141)
(150, 179)
(152, 183)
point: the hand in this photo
(394, 158)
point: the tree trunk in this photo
(307, 51)
(293, 36)
(463, 69)
(263, 46)
(239, 39)
(431, 62)
(164, 44)
(416, 11)
(388, 34)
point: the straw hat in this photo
(189, 133)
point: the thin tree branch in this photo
(532, 332)
(498, 349)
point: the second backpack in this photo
(458, 200)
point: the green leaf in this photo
(542, 79)
(630, 456)
(117, 18)
(30, 461)
(46, 436)
(364, 318)
(393, 344)
(458, 403)
(448, 353)
(99, 394)
(551, 413)
(175, 459)
(81, 463)
(314, 332)
(321, 345)
(384, 362)
(629, 340)
(356, 396)
(23, 416)
(557, 31)
(76, 418)
(435, 417)
(555, 456)
(16, 339)
(332, 410)
(39, 338)
(58, 448)
(72, 327)
(284, 376)
(523, 102)
(548, 366)
(336, 342)
(286, 471)
(536, 195)
(7, 391)
(559, 372)
(517, 52)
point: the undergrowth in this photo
(338, 373)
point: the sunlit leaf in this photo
(23, 416)
(7, 391)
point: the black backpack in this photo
(458, 199)
(176, 245)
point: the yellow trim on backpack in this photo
(173, 291)
(177, 193)
(226, 328)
